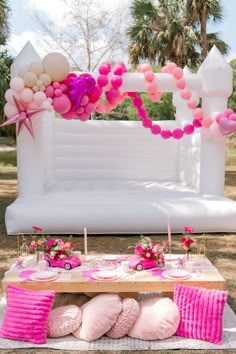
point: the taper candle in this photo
(85, 242)
(169, 231)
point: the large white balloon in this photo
(56, 66)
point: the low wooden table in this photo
(135, 281)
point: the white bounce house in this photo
(116, 177)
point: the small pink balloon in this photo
(180, 84)
(192, 103)
(198, 113)
(188, 129)
(142, 113)
(137, 102)
(61, 104)
(197, 123)
(84, 116)
(149, 76)
(143, 68)
(147, 122)
(90, 107)
(102, 80)
(84, 100)
(232, 116)
(177, 133)
(155, 97)
(49, 91)
(156, 129)
(166, 133)
(10, 110)
(185, 94)
(95, 95)
(56, 85)
(70, 115)
(80, 110)
(178, 73)
(228, 111)
(116, 81)
(152, 87)
(17, 84)
(9, 95)
(171, 66)
(101, 108)
(113, 93)
(104, 69)
(206, 122)
(27, 95)
(39, 97)
(58, 92)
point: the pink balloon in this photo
(49, 91)
(156, 129)
(188, 129)
(84, 100)
(61, 104)
(228, 111)
(84, 116)
(206, 122)
(27, 95)
(10, 110)
(147, 122)
(178, 73)
(185, 94)
(70, 115)
(80, 110)
(180, 84)
(232, 116)
(177, 133)
(90, 107)
(192, 103)
(137, 102)
(116, 81)
(95, 95)
(9, 95)
(197, 123)
(142, 113)
(166, 134)
(17, 84)
(220, 115)
(198, 113)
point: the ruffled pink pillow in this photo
(126, 320)
(98, 316)
(201, 312)
(26, 314)
(64, 320)
(158, 319)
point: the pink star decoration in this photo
(180, 262)
(23, 117)
(19, 263)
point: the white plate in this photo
(32, 277)
(106, 274)
(110, 257)
(177, 273)
(97, 277)
(44, 274)
(171, 257)
(166, 275)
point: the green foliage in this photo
(232, 99)
(4, 27)
(5, 65)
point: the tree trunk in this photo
(204, 45)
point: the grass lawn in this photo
(221, 247)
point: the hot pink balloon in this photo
(166, 134)
(188, 129)
(90, 108)
(69, 115)
(61, 104)
(147, 122)
(177, 133)
(84, 100)
(156, 129)
(84, 116)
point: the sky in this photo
(23, 27)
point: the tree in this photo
(232, 99)
(201, 11)
(88, 34)
(166, 31)
(4, 27)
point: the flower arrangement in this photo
(187, 241)
(37, 245)
(149, 250)
(59, 249)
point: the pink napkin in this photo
(158, 272)
(25, 274)
(88, 273)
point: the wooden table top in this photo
(80, 280)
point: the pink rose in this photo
(138, 250)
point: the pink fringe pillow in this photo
(26, 314)
(126, 320)
(201, 312)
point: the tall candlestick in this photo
(169, 231)
(85, 242)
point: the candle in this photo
(85, 242)
(169, 231)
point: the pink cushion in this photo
(201, 312)
(26, 314)
(125, 321)
(64, 320)
(158, 319)
(98, 316)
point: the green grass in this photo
(7, 159)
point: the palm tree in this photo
(201, 11)
(166, 31)
(4, 28)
